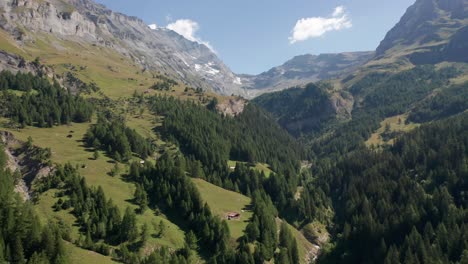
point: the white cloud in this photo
(188, 28)
(339, 11)
(153, 26)
(313, 27)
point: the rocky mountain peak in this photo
(426, 21)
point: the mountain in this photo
(430, 31)
(87, 23)
(304, 69)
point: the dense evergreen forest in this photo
(406, 204)
(112, 135)
(209, 140)
(105, 230)
(447, 102)
(300, 110)
(168, 189)
(41, 103)
(214, 139)
(380, 96)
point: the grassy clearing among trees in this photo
(222, 201)
(71, 150)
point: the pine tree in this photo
(88, 243)
(191, 240)
(38, 258)
(145, 234)
(2, 248)
(96, 155)
(141, 198)
(464, 257)
(48, 242)
(18, 251)
(128, 229)
(252, 231)
(162, 228)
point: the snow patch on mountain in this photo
(237, 81)
(207, 68)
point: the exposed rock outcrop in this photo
(22, 161)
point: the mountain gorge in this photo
(372, 158)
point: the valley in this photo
(129, 144)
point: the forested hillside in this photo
(212, 139)
(205, 143)
(406, 204)
(300, 111)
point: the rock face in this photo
(231, 106)
(15, 63)
(305, 69)
(22, 160)
(425, 23)
(454, 51)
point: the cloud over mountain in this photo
(188, 28)
(313, 27)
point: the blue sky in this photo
(251, 36)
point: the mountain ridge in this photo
(306, 68)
